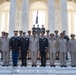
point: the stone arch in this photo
(4, 16)
(41, 7)
(71, 8)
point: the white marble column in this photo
(51, 15)
(12, 17)
(64, 19)
(25, 15)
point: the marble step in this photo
(37, 71)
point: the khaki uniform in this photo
(72, 50)
(34, 47)
(52, 50)
(5, 50)
(57, 48)
(63, 49)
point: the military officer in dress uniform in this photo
(14, 45)
(20, 36)
(52, 49)
(2, 37)
(43, 44)
(42, 29)
(72, 49)
(5, 50)
(38, 31)
(57, 37)
(24, 46)
(47, 36)
(63, 49)
(67, 38)
(28, 53)
(34, 29)
(34, 47)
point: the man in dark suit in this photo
(14, 45)
(34, 29)
(43, 29)
(24, 46)
(43, 45)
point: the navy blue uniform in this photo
(24, 46)
(34, 29)
(14, 44)
(43, 30)
(43, 44)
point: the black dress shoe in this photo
(41, 65)
(7, 65)
(14, 65)
(62, 66)
(65, 66)
(72, 66)
(50, 65)
(32, 65)
(35, 65)
(57, 58)
(3, 65)
(54, 66)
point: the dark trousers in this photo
(15, 57)
(24, 57)
(43, 58)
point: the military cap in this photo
(56, 31)
(29, 31)
(47, 30)
(51, 34)
(72, 35)
(61, 34)
(3, 32)
(6, 33)
(24, 32)
(20, 31)
(15, 31)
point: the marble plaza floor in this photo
(37, 70)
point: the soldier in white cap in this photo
(72, 49)
(5, 50)
(63, 49)
(52, 49)
(34, 47)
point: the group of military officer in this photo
(51, 46)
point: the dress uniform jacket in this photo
(38, 31)
(52, 45)
(43, 30)
(43, 43)
(15, 43)
(5, 44)
(57, 37)
(5, 50)
(34, 44)
(24, 43)
(62, 45)
(72, 45)
(34, 29)
(72, 50)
